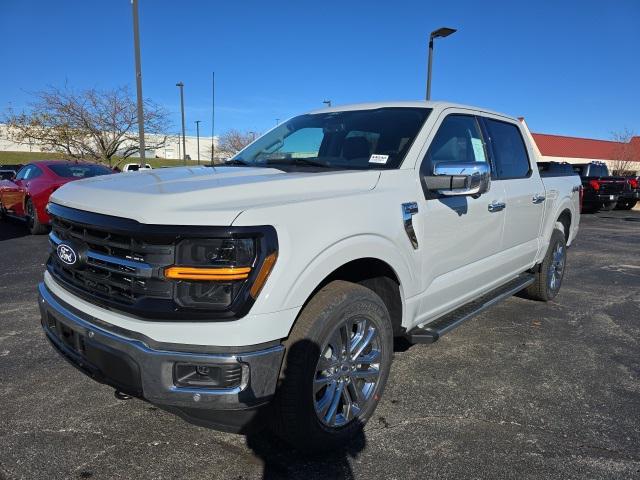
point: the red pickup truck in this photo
(26, 195)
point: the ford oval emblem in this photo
(67, 254)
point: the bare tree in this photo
(231, 142)
(96, 124)
(626, 157)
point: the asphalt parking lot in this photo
(526, 390)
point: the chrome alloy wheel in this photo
(347, 372)
(556, 269)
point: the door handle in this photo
(497, 206)
(537, 198)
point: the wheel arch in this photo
(377, 275)
(565, 218)
(369, 260)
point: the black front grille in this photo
(121, 263)
(117, 268)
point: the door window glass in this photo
(32, 173)
(24, 171)
(458, 140)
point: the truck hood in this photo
(204, 195)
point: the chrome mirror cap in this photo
(451, 179)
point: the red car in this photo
(26, 195)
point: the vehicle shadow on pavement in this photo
(12, 229)
(282, 460)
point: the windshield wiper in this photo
(298, 161)
(237, 161)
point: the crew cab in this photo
(269, 290)
(25, 194)
(601, 190)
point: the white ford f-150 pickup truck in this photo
(269, 290)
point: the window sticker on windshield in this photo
(375, 158)
(478, 150)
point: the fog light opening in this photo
(212, 376)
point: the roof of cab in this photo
(440, 105)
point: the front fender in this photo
(343, 252)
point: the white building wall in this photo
(172, 150)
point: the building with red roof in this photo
(560, 148)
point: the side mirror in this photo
(468, 178)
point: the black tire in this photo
(608, 206)
(626, 205)
(33, 223)
(295, 418)
(544, 288)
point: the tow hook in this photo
(121, 396)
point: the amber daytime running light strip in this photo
(196, 273)
(213, 274)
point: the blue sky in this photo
(569, 67)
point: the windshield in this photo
(79, 171)
(358, 139)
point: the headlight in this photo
(217, 252)
(213, 273)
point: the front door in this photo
(460, 235)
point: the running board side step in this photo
(434, 330)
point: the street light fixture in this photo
(180, 85)
(440, 33)
(198, 138)
(327, 103)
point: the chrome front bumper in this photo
(132, 366)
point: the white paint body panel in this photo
(326, 219)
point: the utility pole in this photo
(277, 122)
(327, 103)
(441, 32)
(180, 85)
(136, 49)
(198, 138)
(213, 117)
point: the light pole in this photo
(277, 122)
(441, 32)
(213, 117)
(136, 49)
(327, 103)
(180, 85)
(198, 138)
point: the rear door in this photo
(462, 234)
(516, 170)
